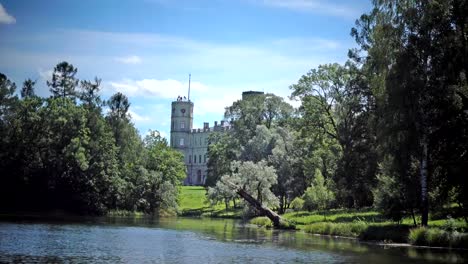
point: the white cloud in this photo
(5, 17)
(129, 60)
(46, 75)
(167, 89)
(314, 6)
(138, 118)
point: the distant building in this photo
(193, 142)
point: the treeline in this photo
(389, 128)
(65, 153)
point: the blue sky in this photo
(146, 48)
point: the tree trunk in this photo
(414, 218)
(274, 217)
(423, 179)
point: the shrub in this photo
(337, 229)
(436, 237)
(297, 204)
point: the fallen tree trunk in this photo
(274, 217)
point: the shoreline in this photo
(61, 216)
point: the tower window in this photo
(204, 158)
(181, 141)
(182, 124)
(199, 158)
(190, 159)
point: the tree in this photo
(222, 149)
(63, 81)
(335, 122)
(286, 159)
(257, 179)
(318, 195)
(416, 59)
(89, 93)
(28, 88)
(119, 105)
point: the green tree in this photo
(89, 93)
(257, 179)
(319, 195)
(409, 45)
(28, 88)
(64, 82)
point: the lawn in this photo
(193, 202)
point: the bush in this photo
(297, 204)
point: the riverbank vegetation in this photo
(67, 153)
(387, 129)
(368, 224)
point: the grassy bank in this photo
(193, 202)
(370, 225)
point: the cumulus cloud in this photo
(6, 18)
(129, 59)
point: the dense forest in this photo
(64, 153)
(388, 128)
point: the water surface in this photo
(190, 240)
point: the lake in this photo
(190, 240)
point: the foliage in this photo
(255, 178)
(60, 154)
(423, 236)
(318, 195)
(297, 204)
(63, 81)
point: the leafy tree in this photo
(119, 105)
(63, 81)
(222, 149)
(335, 122)
(89, 94)
(257, 179)
(286, 159)
(319, 195)
(416, 61)
(222, 191)
(28, 88)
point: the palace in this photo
(193, 142)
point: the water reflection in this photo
(190, 240)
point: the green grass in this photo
(262, 221)
(366, 224)
(193, 202)
(370, 225)
(437, 237)
(192, 197)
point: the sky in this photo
(146, 49)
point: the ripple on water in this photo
(106, 243)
